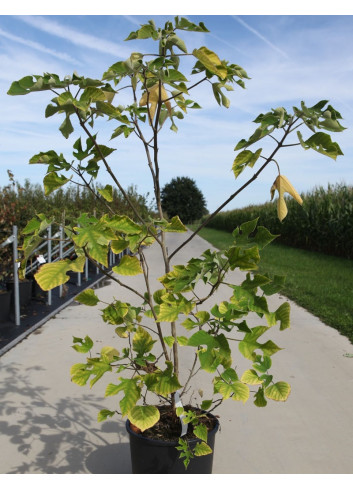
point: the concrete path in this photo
(48, 424)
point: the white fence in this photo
(47, 253)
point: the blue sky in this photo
(288, 57)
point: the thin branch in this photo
(296, 127)
(97, 196)
(217, 403)
(109, 275)
(109, 170)
(190, 375)
(274, 138)
(180, 93)
(254, 177)
(144, 267)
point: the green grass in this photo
(322, 284)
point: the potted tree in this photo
(167, 436)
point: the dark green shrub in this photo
(181, 197)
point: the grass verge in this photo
(322, 284)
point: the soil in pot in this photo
(154, 451)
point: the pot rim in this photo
(154, 441)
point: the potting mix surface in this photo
(168, 427)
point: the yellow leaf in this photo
(282, 185)
(151, 97)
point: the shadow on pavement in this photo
(57, 436)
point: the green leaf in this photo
(50, 275)
(80, 374)
(201, 432)
(243, 258)
(278, 392)
(87, 297)
(174, 76)
(132, 394)
(113, 389)
(169, 340)
(66, 127)
(95, 237)
(202, 449)
(241, 392)
(331, 125)
(283, 315)
(106, 192)
(203, 316)
(250, 377)
(104, 414)
(115, 313)
(53, 181)
(144, 417)
(322, 143)
(244, 159)
(182, 340)
(170, 311)
(217, 352)
(184, 24)
(119, 245)
(263, 237)
(164, 382)
(123, 224)
(109, 354)
(206, 404)
(249, 344)
(99, 368)
(92, 94)
(260, 400)
(85, 345)
(274, 286)
(256, 136)
(210, 61)
(229, 375)
(31, 226)
(19, 87)
(142, 341)
(262, 364)
(175, 226)
(269, 348)
(179, 43)
(129, 266)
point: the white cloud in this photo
(133, 20)
(76, 37)
(260, 36)
(38, 47)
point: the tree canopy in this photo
(181, 197)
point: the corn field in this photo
(324, 223)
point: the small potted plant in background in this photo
(165, 435)
(11, 213)
(5, 294)
(7, 220)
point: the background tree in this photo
(181, 197)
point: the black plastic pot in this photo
(161, 457)
(5, 301)
(25, 288)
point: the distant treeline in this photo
(19, 203)
(323, 223)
